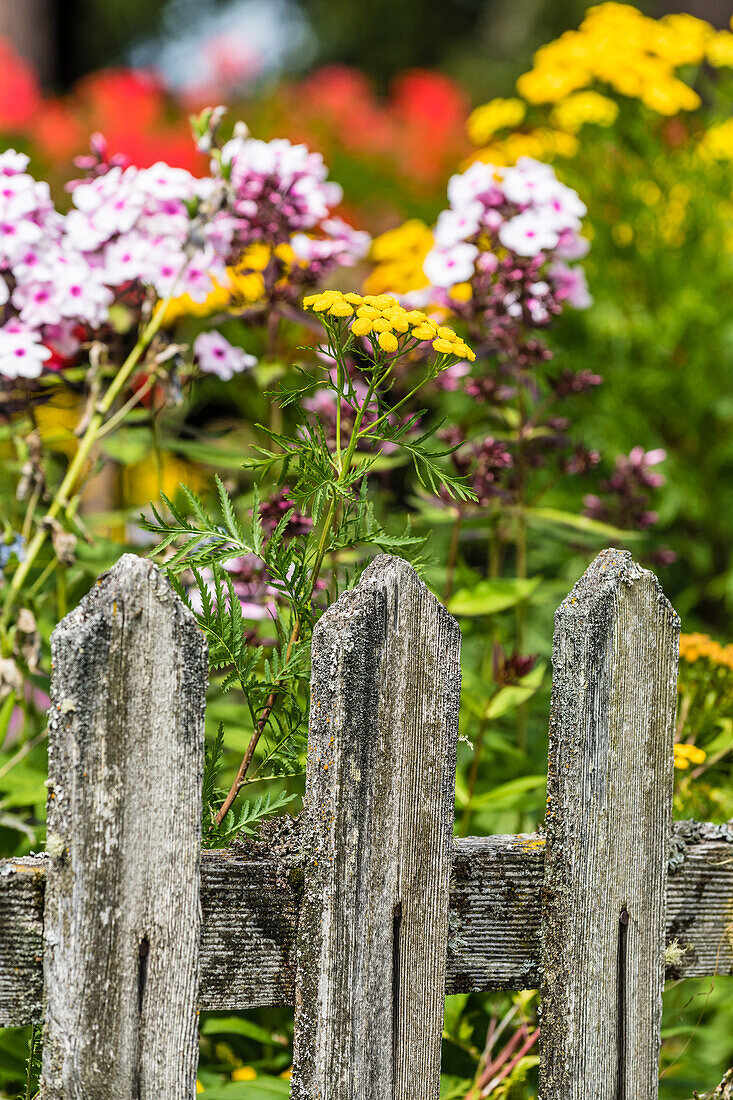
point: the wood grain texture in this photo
(251, 905)
(122, 914)
(373, 932)
(608, 826)
(22, 888)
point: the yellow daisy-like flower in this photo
(497, 114)
(445, 347)
(619, 46)
(368, 312)
(388, 342)
(582, 108)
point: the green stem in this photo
(63, 493)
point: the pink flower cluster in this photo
(160, 228)
(42, 278)
(281, 194)
(133, 225)
(60, 274)
(627, 492)
(508, 233)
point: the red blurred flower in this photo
(133, 111)
(20, 94)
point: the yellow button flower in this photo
(423, 332)
(341, 309)
(369, 312)
(361, 327)
(387, 341)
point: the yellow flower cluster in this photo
(694, 647)
(684, 755)
(619, 46)
(497, 114)
(543, 143)
(583, 108)
(717, 142)
(382, 318)
(398, 256)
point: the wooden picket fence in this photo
(369, 913)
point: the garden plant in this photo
(213, 353)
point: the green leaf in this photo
(508, 795)
(555, 517)
(128, 445)
(237, 1025)
(453, 1088)
(263, 1088)
(206, 453)
(513, 695)
(490, 597)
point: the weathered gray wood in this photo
(122, 920)
(372, 939)
(22, 887)
(608, 825)
(251, 905)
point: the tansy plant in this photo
(306, 554)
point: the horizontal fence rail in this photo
(251, 904)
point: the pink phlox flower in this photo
(22, 355)
(217, 356)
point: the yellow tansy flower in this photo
(341, 309)
(383, 315)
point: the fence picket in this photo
(372, 936)
(122, 920)
(608, 835)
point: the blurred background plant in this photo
(598, 410)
